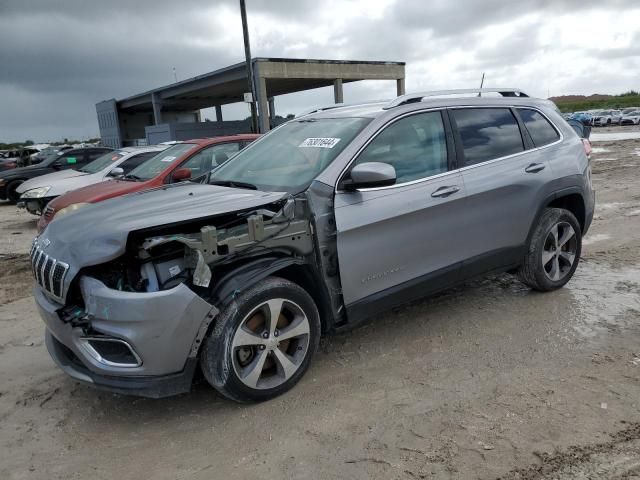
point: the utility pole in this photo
(247, 57)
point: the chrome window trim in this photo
(457, 170)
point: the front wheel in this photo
(262, 342)
(554, 251)
(12, 195)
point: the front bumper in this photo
(163, 330)
(34, 205)
(150, 387)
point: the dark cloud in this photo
(61, 57)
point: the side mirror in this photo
(370, 175)
(116, 172)
(180, 174)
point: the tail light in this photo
(587, 147)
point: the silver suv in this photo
(328, 220)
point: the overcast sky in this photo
(60, 57)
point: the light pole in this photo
(247, 57)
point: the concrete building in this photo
(173, 112)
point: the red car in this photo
(182, 161)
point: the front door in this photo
(391, 240)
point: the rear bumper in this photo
(163, 331)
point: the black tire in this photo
(532, 272)
(608, 121)
(12, 195)
(217, 355)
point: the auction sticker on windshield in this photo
(321, 142)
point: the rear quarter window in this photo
(539, 128)
(487, 133)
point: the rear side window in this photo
(137, 160)
(415, 146)
(487, 133)
(541, 131)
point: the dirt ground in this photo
(488, 380)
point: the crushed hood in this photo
(98, 233)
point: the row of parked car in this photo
(234, 255)
(602, 118)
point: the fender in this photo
(247, 275)
(550, 198)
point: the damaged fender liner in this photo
(141, 386)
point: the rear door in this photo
(393, 240)
(505, 177)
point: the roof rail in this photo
(418, 97)
(338, 105)
(321, 109)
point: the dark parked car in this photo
(74, 158)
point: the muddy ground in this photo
(488, 380)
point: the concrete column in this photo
(400, 86)
(337, 91)
(263, 104)
(218, 113)
(272, 108)
(157, 108)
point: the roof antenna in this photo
(481, 84)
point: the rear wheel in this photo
(12, 195)
(554, 251)
(262, 342)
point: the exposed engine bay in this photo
(162, 261)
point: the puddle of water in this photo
(598, 237)
(632, 213)
(599, 150)
(605, 300)
(605, 159)
(609, 206)
(613, 136)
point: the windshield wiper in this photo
(233, 183)
(132, 177)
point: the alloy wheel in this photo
(559, 251)
(270, 344)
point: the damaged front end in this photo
(144, 314)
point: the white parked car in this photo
(607, 117)
(631, 118)
(37, 192)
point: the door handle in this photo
(445, 191)
(534, 168)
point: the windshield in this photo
(290, 157)
(102, 162)
(158, 163)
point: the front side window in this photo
(487, 133)
(291, 156)
(541, 131)
(158, 163)
(414, 146)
